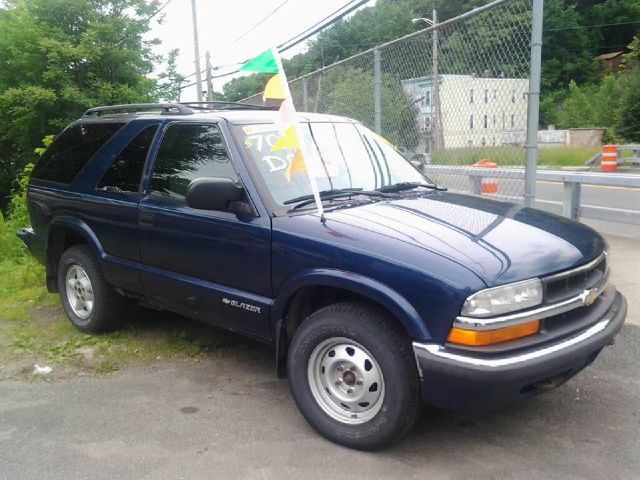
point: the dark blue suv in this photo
(398, 292)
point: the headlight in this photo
(504, 299)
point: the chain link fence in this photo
(447, 97)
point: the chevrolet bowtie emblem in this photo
(590, 296)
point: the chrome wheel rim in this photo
(79, 292)
(345, 381)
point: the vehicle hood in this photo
(500, 242)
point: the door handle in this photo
(145, 218)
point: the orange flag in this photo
(296, 166)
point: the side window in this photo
(126, 170)
(72, 150)
(188, 152)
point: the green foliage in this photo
(506, 156)
(612, 103)
(567, 52)
(170, 79)
(60, 58)
(349, 94)
(243, 87)
(629, 112)
(46, 141)
(591, 105)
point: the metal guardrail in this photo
(572, 186)
(634, 158)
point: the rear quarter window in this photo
(72, 150)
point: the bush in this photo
(17, 218)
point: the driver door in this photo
(209, 265)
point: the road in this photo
(595, 195)
(547, 192)
(228, 418)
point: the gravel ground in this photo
(231, 418)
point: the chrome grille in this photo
(565, 285)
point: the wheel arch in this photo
(65, 232)
(296, 298)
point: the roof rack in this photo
(166, 109)
(221, 105)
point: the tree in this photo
(170, 79)
(243, 87)
(60, 58)
(628, 120)
(591, 105)
(349, 92)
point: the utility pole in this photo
(209, 77)
(196, 49)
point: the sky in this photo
(221, 22)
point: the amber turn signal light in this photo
(478, 338)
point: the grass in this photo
(34, 329)
(514, 156)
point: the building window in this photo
(486, 121)
(524, 95)
(484, 142)
(486, 96)
(513, 96)
(513, 120)
(494, 121)
(470, 143)
(494, 141)
(471, 96)
(471, 122)
(495, 94)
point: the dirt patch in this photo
(44, 337)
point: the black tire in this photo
(107, 309)
(373, 329)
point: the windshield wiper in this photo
(323, 194)
(401, 186)
(334, 194)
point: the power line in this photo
(301, 37)
(334, 17)
(159, 10)
(269, 15)
(577, 27)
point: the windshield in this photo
(348, 155)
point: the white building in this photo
(474, 111)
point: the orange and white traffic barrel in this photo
(609, 159)
(488, 185)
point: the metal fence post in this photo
(571, 200)
(305, 95)
(377, 87)
(533, 106)
(435, 101)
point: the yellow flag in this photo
(296, 166)
(287, 140)
(273, 89)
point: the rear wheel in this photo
(89, 302)
(353, 376)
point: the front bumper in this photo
(459, 380)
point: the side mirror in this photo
(216, 193)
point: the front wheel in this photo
(353, 376)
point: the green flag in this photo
(265, 63)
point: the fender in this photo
(367, 287)
(81, 228)
(117, 271)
